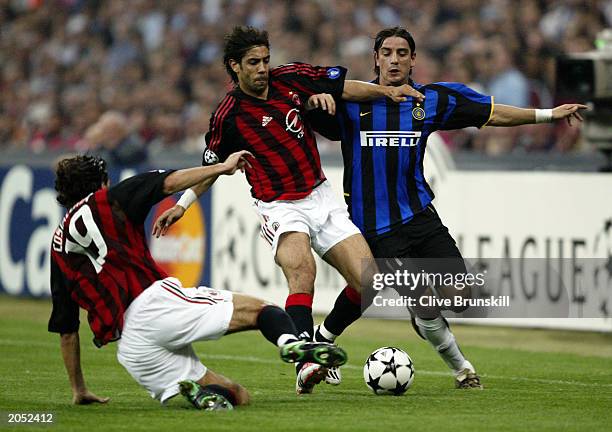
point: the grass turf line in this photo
(534, 379)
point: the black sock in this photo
(299, 308)
(302, 318)
(346, 311)
(273, 322)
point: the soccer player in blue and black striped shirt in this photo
(383, 145)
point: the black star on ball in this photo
(390, 367)
(373, 383)
(400, 388)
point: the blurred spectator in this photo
(156, 65)
(503, 81)
(112, 139)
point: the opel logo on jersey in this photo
(294, 122)
(418, 113)
(390, 138)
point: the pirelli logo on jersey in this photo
(390, 138)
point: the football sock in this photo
(346, 311)
(324, 335)
(276, 325)
(299, 308)
(438, 334)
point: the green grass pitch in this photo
(534, 380)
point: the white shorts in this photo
(319, 215)
(159, 327)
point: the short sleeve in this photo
(463, 106)
(313, 79)
(65, 312)
(138, 194)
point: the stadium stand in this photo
(158, 63)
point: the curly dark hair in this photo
(78, 176)
(238, 42)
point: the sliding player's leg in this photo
(163, 322)
(214, 392)
(278, 328)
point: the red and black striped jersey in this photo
(287, 165)
(100, 259)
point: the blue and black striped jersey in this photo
(383, 145)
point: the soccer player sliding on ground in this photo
(100, 261)
(264, 114)
(388, 198)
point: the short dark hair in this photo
(391, 32)
(78, 176)
(238, 42)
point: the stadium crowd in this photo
(130, 78)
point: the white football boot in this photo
(309, 375)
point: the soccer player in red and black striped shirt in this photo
(265, 115)
(100, 262)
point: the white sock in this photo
(326, 333)
(286, 338)
(442, 339)
(466, 365)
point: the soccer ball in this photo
(388, 371)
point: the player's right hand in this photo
(237, 161)
(167, 218)
(568, 112)
(86, 397)
(398, 94)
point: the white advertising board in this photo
(491, 214)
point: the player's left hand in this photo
(166, 219)
(237, 161)
(86, 397)
(398, 94)
(568, 112)
(324, 101)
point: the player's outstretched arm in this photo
(360, 91)
(71, 353)
(506, 115)
(186, 178)
(191, 178)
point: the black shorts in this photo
(424, 238)
(422, 245)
